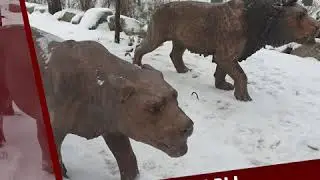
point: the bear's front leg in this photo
(121, 148)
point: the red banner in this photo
(292, 171)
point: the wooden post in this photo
(117, 23)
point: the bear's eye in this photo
(156, 108)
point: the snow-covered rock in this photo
(308, 50)
(67, 14)
(77, 18)
(129, 26)
(40, 8)
(95, 16)
(30, 7)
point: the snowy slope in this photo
(278, 126)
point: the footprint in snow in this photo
(149, 165)
(223, 106)
(111, 166)
(195, 75)
(272, 93)
(256, 162)
(276, 82)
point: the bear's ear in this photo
(124, 87)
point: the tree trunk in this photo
(216, 1)
(117, 22)
(54, 6)
(86, 4)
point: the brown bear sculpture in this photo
(230, 31)
(91, 92)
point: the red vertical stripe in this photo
(38, 79)
(1, 17)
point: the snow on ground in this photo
(21, 155)
(278, 126)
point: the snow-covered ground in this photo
(21, 155)
(280, 125)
